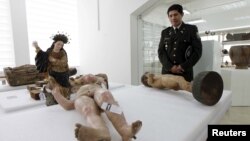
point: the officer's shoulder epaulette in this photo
(190, 26)
(167, 29)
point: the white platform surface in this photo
(17, 100)
(166, 115)
(7, 87)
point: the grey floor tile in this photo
(237, 115)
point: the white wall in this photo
(107, 50)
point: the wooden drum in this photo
(207, 87)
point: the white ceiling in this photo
(219, 14)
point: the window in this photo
(7, 57)
(151, 38)
(47, 17)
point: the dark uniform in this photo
(182, 47)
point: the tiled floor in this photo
(237, 115)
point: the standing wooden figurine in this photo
(54, 63)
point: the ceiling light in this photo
(195, 21)
(234, 5)
(242, 18)
(233, 29)
(186, 12)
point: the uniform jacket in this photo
(180, 48)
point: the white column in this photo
(20, 34)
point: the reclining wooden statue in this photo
(26, 74)
(207, 86)
(166, 81)
(93, 98)
(22, 75)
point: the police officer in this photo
(180, 46)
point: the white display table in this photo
(238, 81)
(7, 87)
(166, 115)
